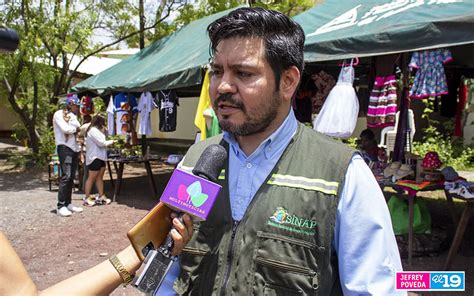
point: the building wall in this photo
(8, 117)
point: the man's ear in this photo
(289, 81)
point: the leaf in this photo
(199, 200)
(182, 194)
(194, 189)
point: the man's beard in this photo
(253, 123)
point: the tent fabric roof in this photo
(343, 29)
(334, 30)
(172, 62)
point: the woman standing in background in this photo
(96, 156)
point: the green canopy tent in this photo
(343, 29)
(172, 62)
(337, 30)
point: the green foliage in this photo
(451, 154)
(351, 142)
(99, 105)
(290, 8)
(47, 146)
(438, 138)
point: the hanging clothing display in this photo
(87, 105)
(213, 129)
(338, 116)
(430, 79)
(124, 107)
(383, 102)
(324, 82)
(110, 116)
(145, 106)
(402, 129)
(461, 106)
(167, 101)
(204, 103)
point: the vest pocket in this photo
(272, 290)
(193, 264)
(284, 266)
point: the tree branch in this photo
(68, 82)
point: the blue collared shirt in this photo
(363, 222)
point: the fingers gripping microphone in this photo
(193, 194)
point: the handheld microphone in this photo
(196, 193)
(8, 40)
(193, 194)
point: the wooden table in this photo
(119, 164)
(461, 225)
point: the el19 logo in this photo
(447, 281)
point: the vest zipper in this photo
(291, 268)
(230, 255)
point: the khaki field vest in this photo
(283, 244)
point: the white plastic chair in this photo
(389, 133)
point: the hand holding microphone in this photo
(191, 195)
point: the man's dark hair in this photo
(283, 37)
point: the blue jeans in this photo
(68, 161)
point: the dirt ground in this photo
(54, 248)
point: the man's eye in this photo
(244, 74)
(214, 72)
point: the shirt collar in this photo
(270, 145)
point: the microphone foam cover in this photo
(211, 162)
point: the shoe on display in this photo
(464, 192)
(74, 209)
(64, 212)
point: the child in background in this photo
(96, 156)
(369, 148)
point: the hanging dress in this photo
(383, 102)
(338, 116)
(430, 78)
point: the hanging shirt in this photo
(124, 106)
(145, 106)
(124, 102)
(167, 101)
(110, 117)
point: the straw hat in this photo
(391, 169)
(403, 171)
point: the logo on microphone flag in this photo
(191, 194)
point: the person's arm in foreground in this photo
(101, 279)
(14, 279)
(364, 240)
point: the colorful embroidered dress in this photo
(383, 102)
(430, 79)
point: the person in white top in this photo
(66, 126)
(96, 156)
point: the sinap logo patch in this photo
(281, 218)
